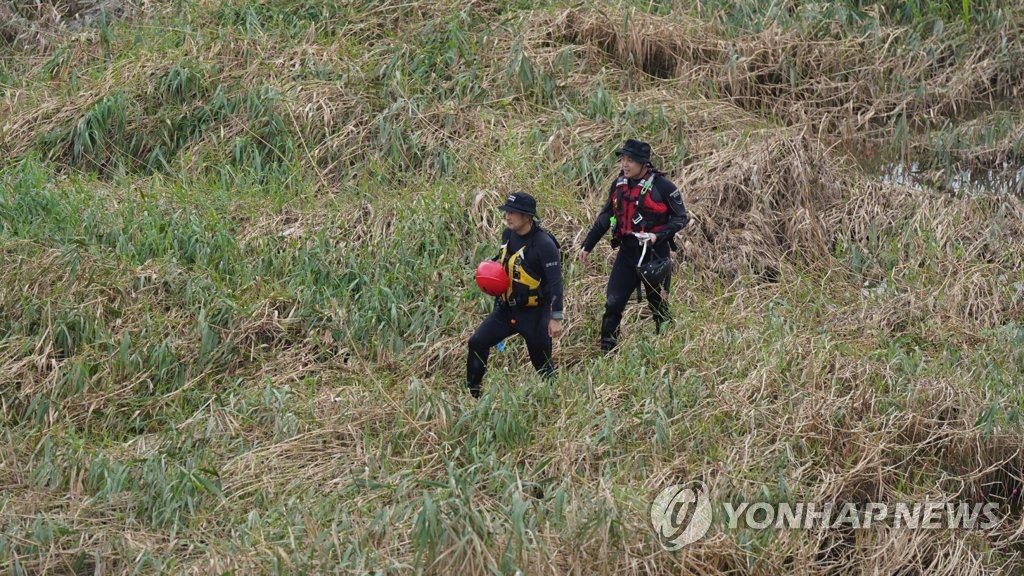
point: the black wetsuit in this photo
(524, 311)
(623, 281)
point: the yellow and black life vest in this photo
(524, 290)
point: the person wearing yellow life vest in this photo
(644, 210)
(532, 304)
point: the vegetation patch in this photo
(237, 243)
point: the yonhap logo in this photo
(681, 514)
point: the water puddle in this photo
(1008, 180)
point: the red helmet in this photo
(491, 278)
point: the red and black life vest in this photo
(635, 209)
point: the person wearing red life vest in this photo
(531, 304)
(644, 210)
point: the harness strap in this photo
(639, 285)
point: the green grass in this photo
(237, 245)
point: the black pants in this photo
(623, 283)
(502, 322)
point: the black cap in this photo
(637, 150)
(520, 202)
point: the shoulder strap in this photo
(558, 245)
(553, 239)
(655, 192)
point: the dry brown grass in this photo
(751, 206)
(842, 86)
(788, 364)
(38, 25)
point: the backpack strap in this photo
(558, 245)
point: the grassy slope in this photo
(237, 244)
